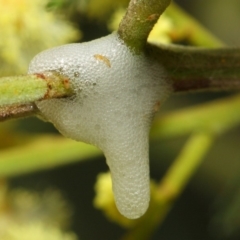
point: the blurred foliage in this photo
(26, 214)
(28, 27)
(100, 10)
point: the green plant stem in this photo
(192, 69)
(139, 20)
(217, 116)
(31, 88)
(172, 185)
(189, 29)
(186, 164)
(41, 153)
(189, 69)
(18, 94)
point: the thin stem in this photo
(43, 152)
(217, 116)
(194, 69)
(17, 111)
(139, 20)
(18, 94)
(186, 164)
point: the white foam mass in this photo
(116, 95)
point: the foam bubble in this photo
(116, 93)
